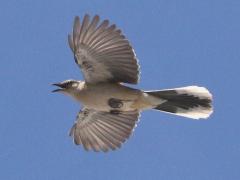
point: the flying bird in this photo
(110, 108)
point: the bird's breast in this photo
(107, 97)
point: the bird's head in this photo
(69, 87)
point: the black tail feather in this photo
(194, 102)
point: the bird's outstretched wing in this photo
(102, 52)
(102, 131)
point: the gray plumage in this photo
(103, 52)
(102, 131)
(111, 109)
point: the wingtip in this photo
(96, 17)
(77, 18)
(86, 15)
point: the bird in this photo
(110, 108)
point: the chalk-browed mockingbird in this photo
(111, 109)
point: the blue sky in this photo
(178, 43)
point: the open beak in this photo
(62, 87)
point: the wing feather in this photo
(91, 28)
(99, 137)
(102, 131)
(83, 29)
(97, 33)
(76, 31)
(97, 48)
(110, 141)
(108, 133)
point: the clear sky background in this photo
(178, 43)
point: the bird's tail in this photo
(191, 101)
